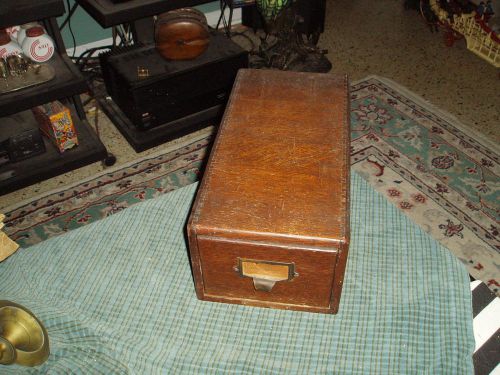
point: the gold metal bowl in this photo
(23, 338)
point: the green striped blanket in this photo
(117, 297)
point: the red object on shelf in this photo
(4, 37)
(56, 124)
(35, 31)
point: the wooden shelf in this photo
(17, 12)
(67, 82)
(107, 13)
(52, 162)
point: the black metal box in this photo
(152, 91)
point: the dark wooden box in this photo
(270, 223)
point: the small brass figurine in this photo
(17, 65)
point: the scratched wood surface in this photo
(276, 191)
(279, 165)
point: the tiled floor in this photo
(366, 37)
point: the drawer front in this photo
(266, 273)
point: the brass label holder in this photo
(265, 274)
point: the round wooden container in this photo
(181, 34)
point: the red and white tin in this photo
(7, 46)
(37, 45)
(21, 34)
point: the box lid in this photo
(279, 168)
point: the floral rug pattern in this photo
(433, 169)
(422, 160)
(104, 195)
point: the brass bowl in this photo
(23, 338)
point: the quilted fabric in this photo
(117, 297)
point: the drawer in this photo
(262, 272)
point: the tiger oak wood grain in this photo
(276, 188)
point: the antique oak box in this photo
(270, 223)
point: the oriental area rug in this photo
(425, 162)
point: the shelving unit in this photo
(67, 82)
(51, 163)
(139, 13)
(24, 11)
(107, 13)
(15, 113)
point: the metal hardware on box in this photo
(142, 72)
(265, 274)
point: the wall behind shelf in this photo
(88, 33)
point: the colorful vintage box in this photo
(55, 122)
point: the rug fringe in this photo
(452, 119)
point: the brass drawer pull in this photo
(265, 273)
